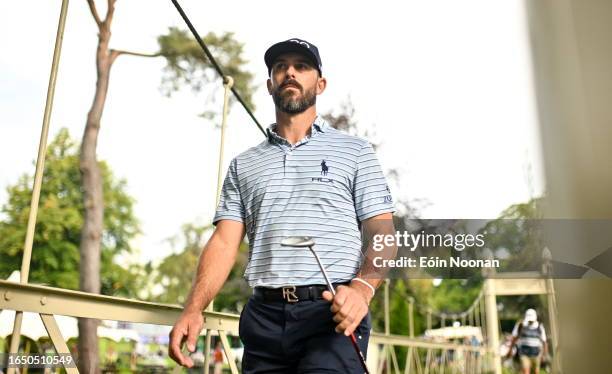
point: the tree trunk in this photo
(93, 202)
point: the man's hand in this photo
(216, 261)
(188, 328)
(349, 306)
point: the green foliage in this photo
(518, 233)
(175, 273)
(398, 308)
(454, 295)
(186, 63)
(55, 253)
(236, 291)
(115, 356)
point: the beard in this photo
(287, 103)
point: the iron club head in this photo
(298, 241)
(308, 242)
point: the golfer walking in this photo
(305, 179)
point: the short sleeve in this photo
(371, 192)
(542, 332)
(230, 203)
(515, 330)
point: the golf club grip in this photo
(359, 353)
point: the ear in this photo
(321, 85)
(269, 85)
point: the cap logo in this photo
(300, 42)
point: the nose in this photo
(290, 72)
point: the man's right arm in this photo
(214, 266)
(216, 262)
(513, 338)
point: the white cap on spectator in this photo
(531, 315)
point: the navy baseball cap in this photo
(295, 45)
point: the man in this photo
(531, 339)
(305, 179)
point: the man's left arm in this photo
(351, 303)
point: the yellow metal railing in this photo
(50, 301)
(425, 356)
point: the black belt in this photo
(292, 294)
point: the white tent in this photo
(32, 325)
(458, 332)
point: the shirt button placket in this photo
(287, 158)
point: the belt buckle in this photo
(289, 294)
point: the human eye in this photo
(302, 66)
(279, 66)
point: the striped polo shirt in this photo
(322, 187)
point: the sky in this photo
(446, 86)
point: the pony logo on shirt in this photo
(324, 168)
(324, 171)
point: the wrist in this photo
(366, 290)
(192, 308)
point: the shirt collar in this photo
(319, 125)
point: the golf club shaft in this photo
(359, 353)
(331, 288)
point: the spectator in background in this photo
(529, 336)
(218, 358)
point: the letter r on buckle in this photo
(289, 294)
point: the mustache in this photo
(290, 82)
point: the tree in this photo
(175, 272)
(186, 65)
(189, 62)
(517, 234)
(454, 296)
(55, 255)
(343, 119)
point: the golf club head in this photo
(297, 241)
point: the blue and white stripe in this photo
(280, 190)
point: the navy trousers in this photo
(292, 338)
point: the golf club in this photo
(303, 242)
